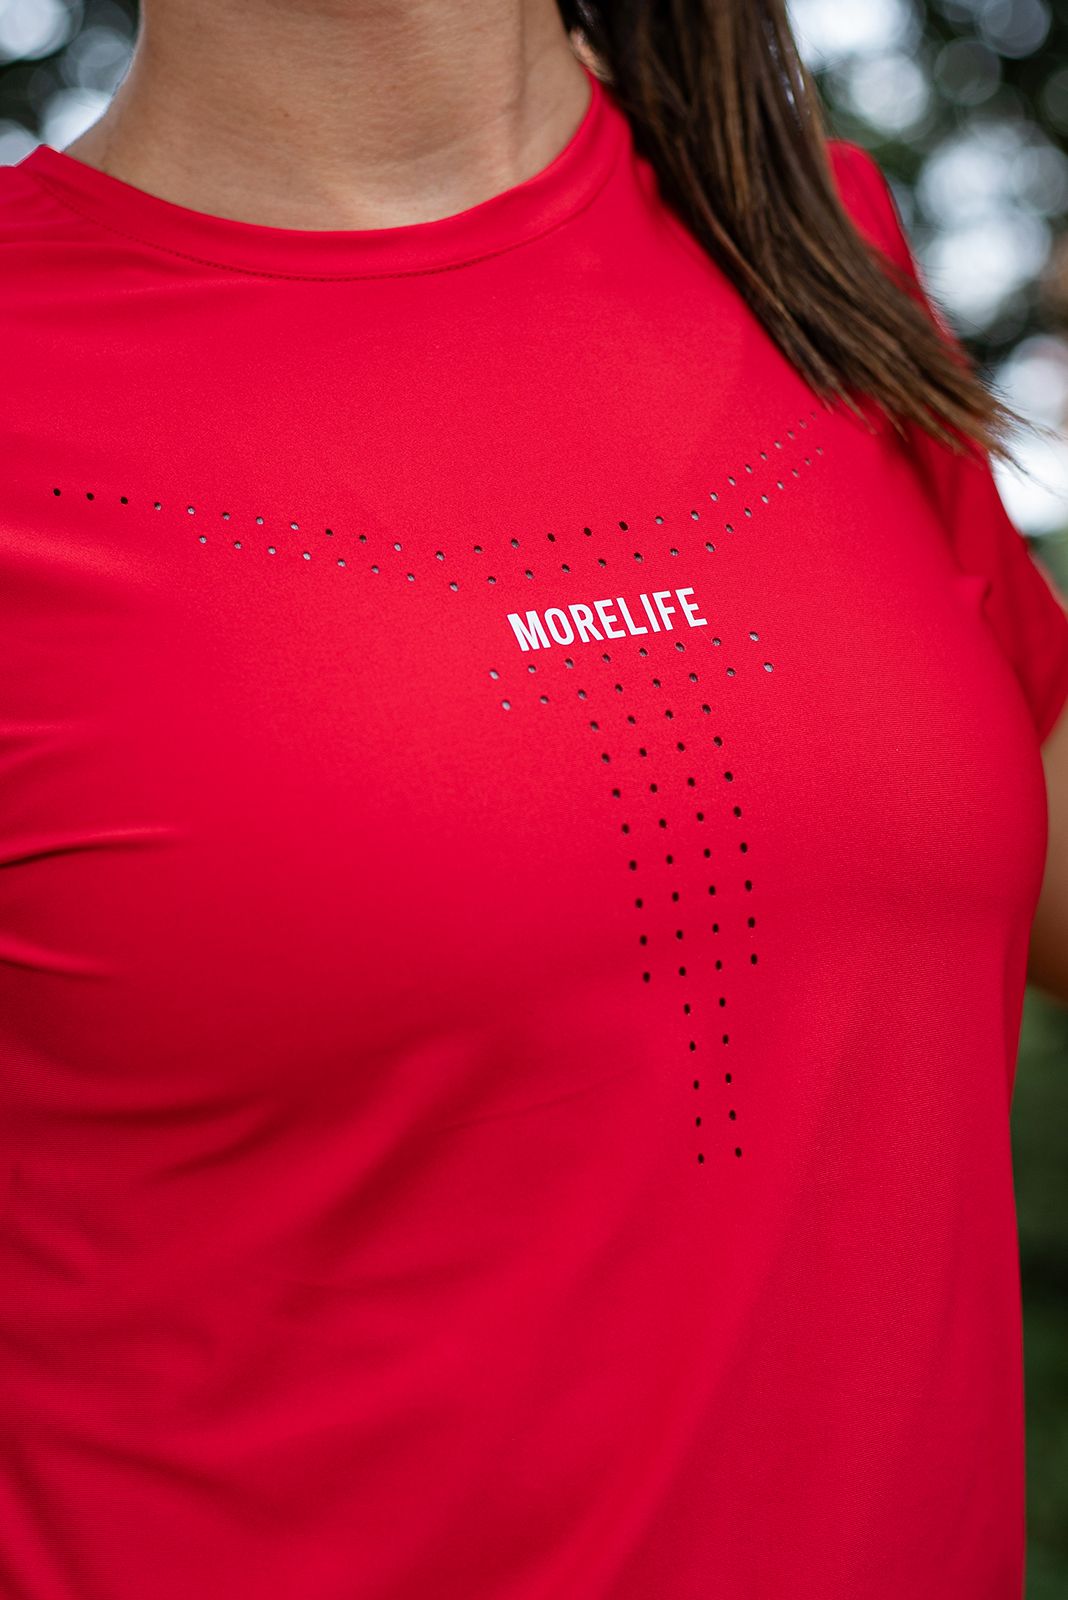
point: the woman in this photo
(526, 733)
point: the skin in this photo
(339, 113)
(359, 114)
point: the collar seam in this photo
(87, 215)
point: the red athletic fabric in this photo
(501, 1100)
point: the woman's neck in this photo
(339, 113)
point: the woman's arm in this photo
(1047, 966)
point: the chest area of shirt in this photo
(773, 667)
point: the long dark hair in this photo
(725, 111)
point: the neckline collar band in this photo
(515, 216)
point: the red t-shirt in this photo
(520, 831)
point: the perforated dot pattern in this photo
(700, 788)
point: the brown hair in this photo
(723, 108)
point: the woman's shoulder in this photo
(866, 194)
(23, 198)
(35, 230)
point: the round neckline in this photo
(515, 216)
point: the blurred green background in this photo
(1040, 1153)
(964, 103)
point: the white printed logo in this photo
(566, 625)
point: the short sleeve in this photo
(1026, 610)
